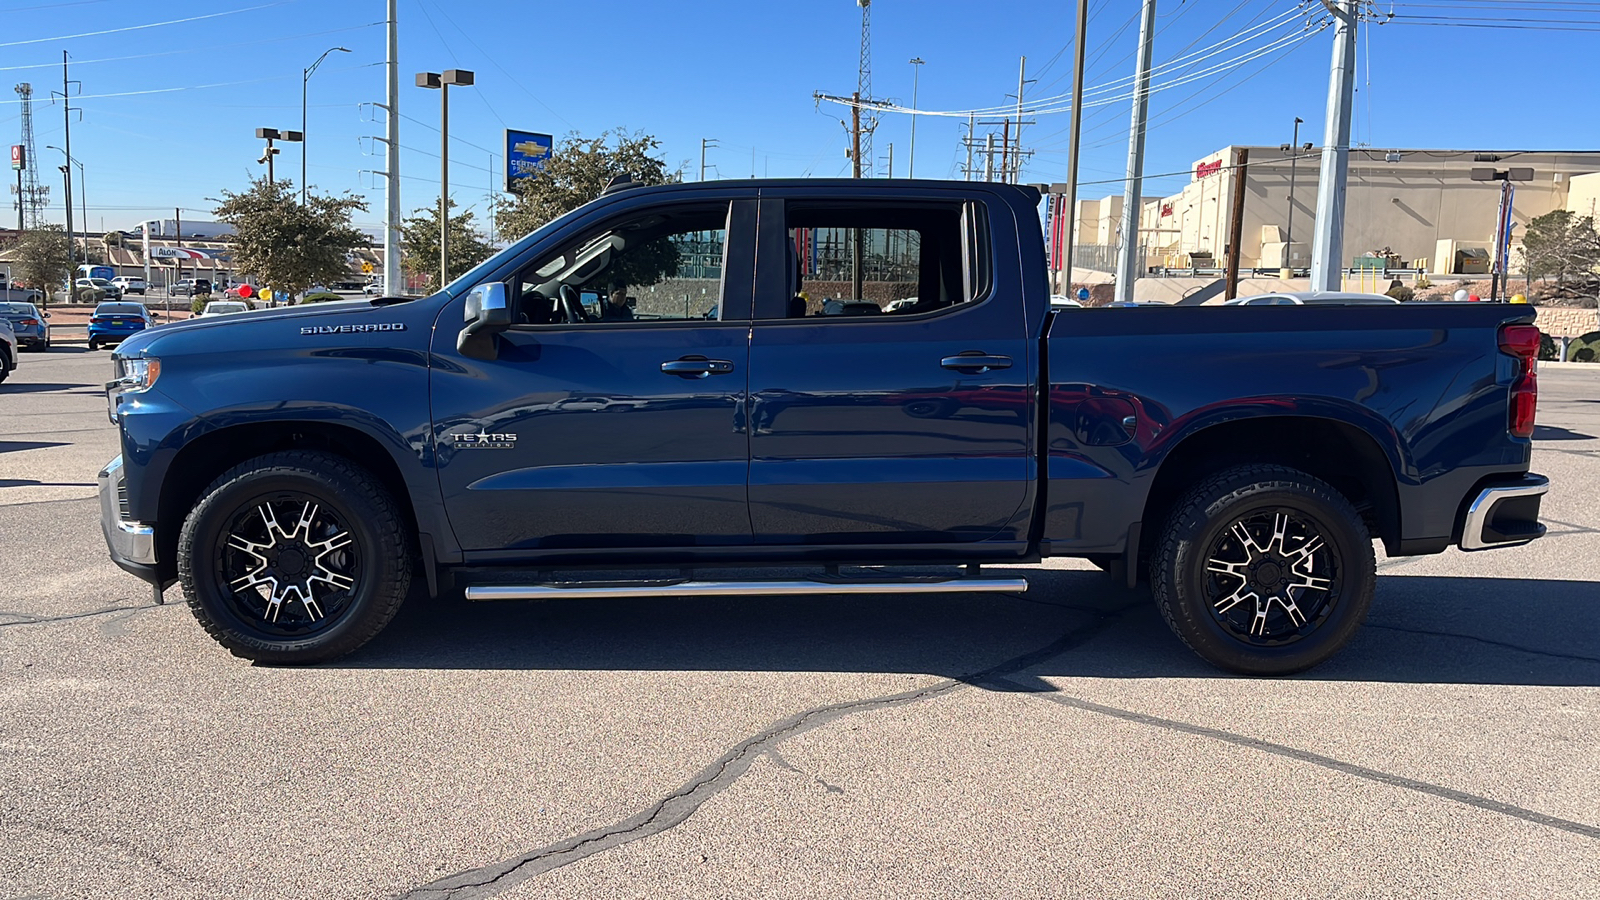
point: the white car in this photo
(8, 349)
(1314, 298)
(372, 290)
(223, 308)
(130, 284)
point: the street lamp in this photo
(83, 192)
(916, 73)
(272, 134)
(305, 77)
(1294, 148)
(442, 82)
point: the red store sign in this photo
(1210, 168)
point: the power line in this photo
(68, 37)
(195, 49)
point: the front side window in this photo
(657, 266)
(876, 261)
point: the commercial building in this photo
(1420, 206)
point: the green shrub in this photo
(320, 297)
(197, 304)
(1584, 349)
(1547, 347)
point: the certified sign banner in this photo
(526, 153)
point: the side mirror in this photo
(487, 314)
(46, 315)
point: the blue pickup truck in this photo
(861, 382)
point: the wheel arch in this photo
(200, 461)
(1346, 456)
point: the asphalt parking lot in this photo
(1058, 743)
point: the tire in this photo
(348, 549)
(5, 367)
(1234, 579)
(93, 346)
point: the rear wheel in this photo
(1264, 570)
(295, 557)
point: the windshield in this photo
(481, 270)
(119, 308)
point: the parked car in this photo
(1064, 300)
(106, 289)
(372, 289)
(28, 324)
(130, 284)
(293, 469)
(8, 349)
(111, 323)
(223, 308)
(189, 287)
(1313, 298)
(239, 289)
(17, 294)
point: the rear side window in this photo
(888, 260)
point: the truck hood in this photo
(355, 313)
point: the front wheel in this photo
(294, 557)
(1264, 570)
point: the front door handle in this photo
(975, 362)
(696, 367)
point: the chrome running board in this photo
(685, 588)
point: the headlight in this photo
(133, 374)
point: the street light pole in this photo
(916, 74)
(1294, 157)
(305, 79)
(272, 134)
(442, 82)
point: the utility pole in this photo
(392, 285)
(916, 75)
(1130, 261)
(988, 157)
(1005, 152)
(1327, 242)
(1077, 135)
(972, 124)
(704, 143)
(1022, 80)
(66, 119)
(1236, 223)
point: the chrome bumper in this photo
(129, 542)
(1505, 515)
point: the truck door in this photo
(612, 416)
(891, 377)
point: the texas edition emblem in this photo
(483, 440)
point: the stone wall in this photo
(1562, 321)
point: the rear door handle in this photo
(696, 367)
(975, 362)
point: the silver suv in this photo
(8, 349)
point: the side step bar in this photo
(685, 588)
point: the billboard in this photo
(525, 155)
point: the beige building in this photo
(1421, 205)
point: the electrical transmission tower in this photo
(864, 86)
(32, 197)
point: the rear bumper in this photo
(132, 544)
(1504, 514)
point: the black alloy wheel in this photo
(1264, 570)
(295, 557)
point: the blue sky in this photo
(743, 73)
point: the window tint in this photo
(873, 261)
(660, 265)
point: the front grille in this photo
(122, 498)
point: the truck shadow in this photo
(1421, 629)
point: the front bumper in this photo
(132, 544)
(1504, 514)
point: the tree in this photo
(285, 245)
(420, 243)
(576, 172)
(40, 259)
(1562, 244)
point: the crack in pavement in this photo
(27, 619)
(148, 857)
(677, 807)
(1483, 640)
(1328, 762)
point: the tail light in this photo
(97, 320)
(30, 322)
(1521, 342)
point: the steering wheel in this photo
(571, 304)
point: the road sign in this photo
(526, 153)
(366, 268)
